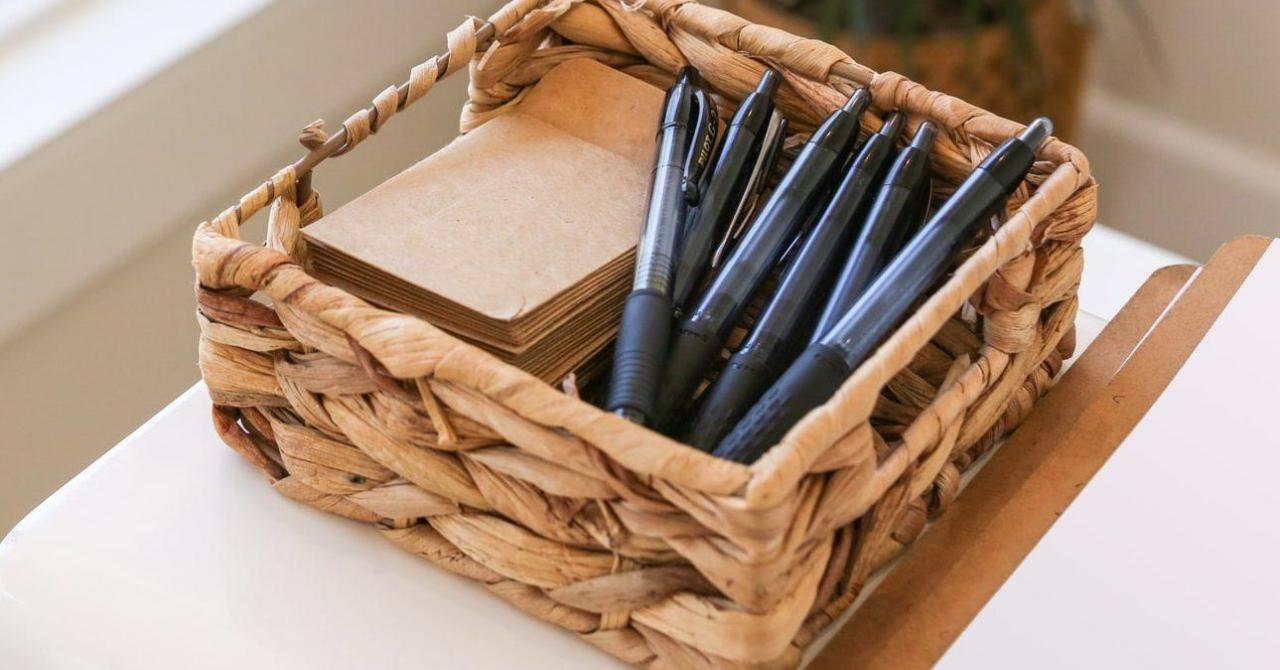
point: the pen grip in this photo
(810, 381)
(637, 355)
(694, 349)
(744, 378)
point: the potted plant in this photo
(1017, 58)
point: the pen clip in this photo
(697, 165)
(771, 141)
(765, 157)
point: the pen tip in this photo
(688, 75)
(892, 125)
(1036, 133)
(768, 82)
(858, 101)
(924, 135)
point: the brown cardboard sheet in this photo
(517, 236)
(597, 295)
(949, 574)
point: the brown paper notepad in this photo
(518, 236)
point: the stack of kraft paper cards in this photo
(519, 236)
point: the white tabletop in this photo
(1167, 559)
(170, 551)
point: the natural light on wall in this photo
(74, 56)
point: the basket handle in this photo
(384, 105)
(472, 36)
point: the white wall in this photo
(186, 143)
(97, 318)
(1189, 157)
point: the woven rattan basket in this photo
(651, 550)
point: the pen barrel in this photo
(638, 354)
(791, 203)
(718, 204)
(694, 349)
(907, 277)
(702, 333)
(656, 250)
(747, 375)
(808, 382)
(784, 322)
(1009, 163)
(872, 249)
(782, 214)
(771, 141)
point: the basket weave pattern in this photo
(655, 552)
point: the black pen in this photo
(899, 208)
(702, 332)
(686, 139)
(734, 173)
(820, 370)
(788, 314)
(771, 151)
